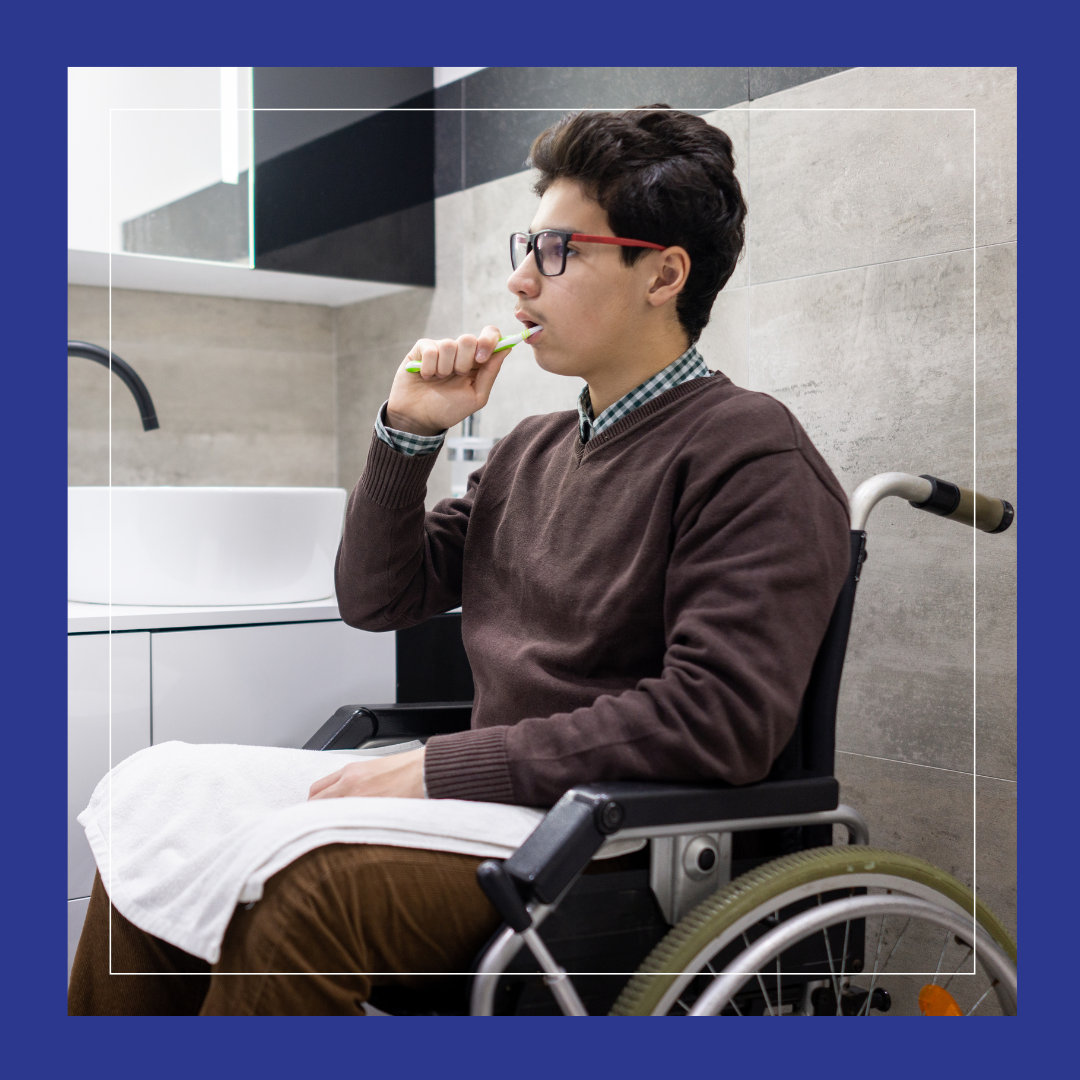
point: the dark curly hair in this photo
(664, 176)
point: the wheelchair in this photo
(735, 902)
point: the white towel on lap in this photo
(183, 833)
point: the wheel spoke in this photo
(765, 993)
(895, 943)
(887, 958)
(982, 999)
(945, 984)
(843, 963)
(832, 969)
(937, 970)
(715, 973)
(761, 982)
(874, 973)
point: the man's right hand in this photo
(454, 381)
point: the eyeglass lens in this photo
(550, 250)
(519, 249)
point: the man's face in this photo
(590, 311)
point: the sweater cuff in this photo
(469, 765)
(392, 479)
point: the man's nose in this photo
(525, 280)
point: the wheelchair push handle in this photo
(935, 496)
(966, 506)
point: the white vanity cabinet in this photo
(265, 685)
(262, 676)
(103, 670)
(108, 677)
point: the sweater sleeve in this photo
(756, 564)
(397, 565)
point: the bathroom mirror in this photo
(319, 183)
(159, 162)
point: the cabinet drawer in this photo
(90, 658)
(264, 685)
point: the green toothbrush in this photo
(501, 344)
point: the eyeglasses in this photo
(549, 246)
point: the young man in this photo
(644, 581)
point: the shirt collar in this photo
(688, 366)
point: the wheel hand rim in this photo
(690, 949)
(748, 963)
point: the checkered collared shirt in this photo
(688, 366)
(404, 442)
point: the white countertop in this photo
(94, 618)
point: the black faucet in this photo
(126, 372)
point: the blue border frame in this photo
(34, 433)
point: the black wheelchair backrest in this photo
(810, 750)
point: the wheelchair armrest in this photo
(647, 804)
(353, 725)
(564, 842)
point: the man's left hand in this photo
(398, 775)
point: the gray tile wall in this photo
(882, 310)
(244, 391)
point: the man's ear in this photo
(670, 276)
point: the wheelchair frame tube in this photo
(554, 975)
(934, 495)
(851, 819)
(494, 961)
(506, 946)
(870, 492)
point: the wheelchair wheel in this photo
(868, 959)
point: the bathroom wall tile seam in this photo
(871, 265)
(923, 765)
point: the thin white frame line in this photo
(747, 237)
(737, 107)
(251, 176)
(110, 504)
(974, 531)
(525, 974)
(742, 106)
(920, 765)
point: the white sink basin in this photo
(202, 546)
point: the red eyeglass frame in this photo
(582, 238)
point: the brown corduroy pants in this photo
(330, 926)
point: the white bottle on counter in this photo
(467, 452)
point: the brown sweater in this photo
(644, 606)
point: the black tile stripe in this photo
(492, 145)
(357, 201)
(374, 167)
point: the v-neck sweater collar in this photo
(659, 403)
